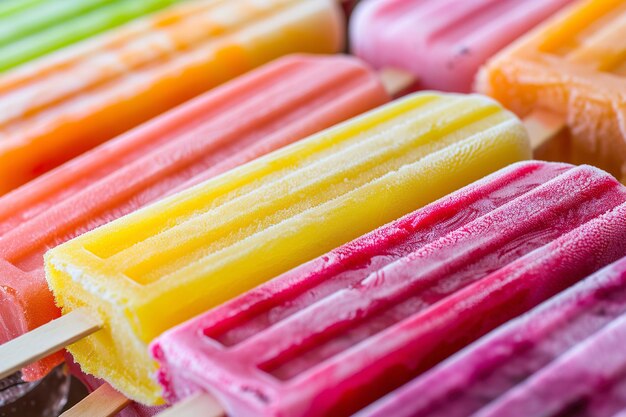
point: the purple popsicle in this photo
(484, 372)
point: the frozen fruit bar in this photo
(33, 28)
(69, 103)
(588, 381)
(442, 42)
(336, 334)
(266, 109)
(206, 245)
(574, 68)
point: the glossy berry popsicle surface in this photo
(336, 334)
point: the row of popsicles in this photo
(196, 247)
(64, 104)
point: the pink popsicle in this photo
(442, 42)
(484, 372)
(276, 105)
(340, 332)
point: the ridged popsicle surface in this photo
(229, 234)
(334, 335)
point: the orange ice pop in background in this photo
(572, 69)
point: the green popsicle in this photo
(33, 28)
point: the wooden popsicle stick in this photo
(396, 80)
(46, 340)
(542, 126)
(199, 405)
(103, 402)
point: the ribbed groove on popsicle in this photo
(606, 47)
(370, 253)
(344, 175)
(278, 112)
(500, 21)
(153, 52)
(111, 85)
(403, 297)
(459, 17)
(585, 23)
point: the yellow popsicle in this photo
(155, 268)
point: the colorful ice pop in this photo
(561, 345)
(573, 68)
(588, 381)
(70, 102)
(33, 28)
(208, 244)
(332, 336)
(273, 106)
(442, 42)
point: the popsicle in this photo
(64, 105)
(488, 374)
(268, 108)
(442, 42)
(33, 28)
(589, 380)
(573, 69)
(214, 241)
(336, 334)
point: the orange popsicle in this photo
(574, 68)
(73, 101)
(248, 117)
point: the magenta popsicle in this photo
(442, 42)
(334, 335)
(487, 371)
